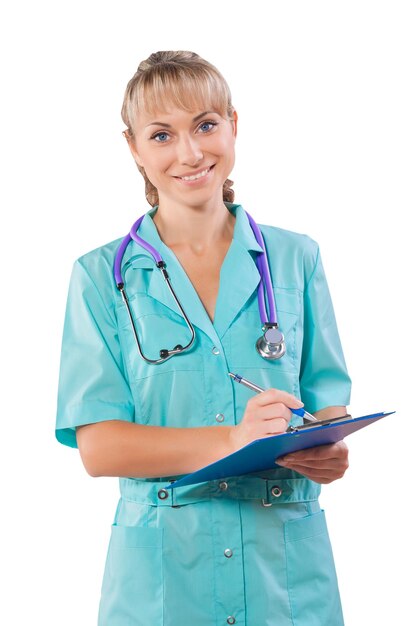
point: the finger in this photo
(321, 480)
(270, 396)
(314, 472)
(267, 428)
(319, 453)
(327, 466)
(331, 469)
(275, 426)
(272, 411)
(319, 476)
(325, 463)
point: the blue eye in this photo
(205, 126)
(211, 124)
(158, 135)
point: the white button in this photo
(215, 350)
(223, 485)
(219, 417)
(231, 620)
(228, 553)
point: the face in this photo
(186, 156)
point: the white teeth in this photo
(203, 173)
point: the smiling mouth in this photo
(196, 176)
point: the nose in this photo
(189, 151)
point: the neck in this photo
(197, 228)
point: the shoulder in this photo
(290, 249)
(101, 258)
(288, 239)
(94, 270)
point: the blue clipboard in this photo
(261, 454)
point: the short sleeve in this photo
(92, 382)
(324, 380)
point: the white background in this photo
(326, 96)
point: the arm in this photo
(330, 411)
(117, 448)
(324, 381)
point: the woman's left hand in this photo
(323, 464)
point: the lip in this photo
(195, 174)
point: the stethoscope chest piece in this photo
(272, 344)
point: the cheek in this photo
(222, 143)
(229, 150)
(156, 166)
(229, 159)
(153, 158)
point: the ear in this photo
(132, 146)
(234, 122)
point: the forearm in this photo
(330, 411)
(117, 448)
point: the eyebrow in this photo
(195, 119)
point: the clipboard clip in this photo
(292, 429)
(318, 424)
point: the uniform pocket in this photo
(248, 328)
(132, 589)
(158, 328)
(311, 575)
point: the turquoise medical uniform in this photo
(252, 550)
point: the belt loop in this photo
(272, 489)
(174, 506)
(266, 501)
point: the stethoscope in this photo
(271, 345)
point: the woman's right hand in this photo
(268, 413)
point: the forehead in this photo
(173, 116)
(179, 98)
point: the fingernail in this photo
(281, 461)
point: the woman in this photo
(239, 551)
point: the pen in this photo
(301, 412)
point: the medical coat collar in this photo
(242, 232)
(239, 275)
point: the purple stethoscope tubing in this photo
(268, 319)
(265, 283)
(266, 280)
(132, 236)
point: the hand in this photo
(268, 413)
(323, 464)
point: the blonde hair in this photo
(181, 79)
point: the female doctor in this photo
(252, 550)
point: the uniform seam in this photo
(84, 402)
(243, 560)
(286, 579)
(267, 369)
(310, 536)
(190, 369)
(111, 309)
(214, 565)
(314, 270)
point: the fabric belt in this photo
(268, 491)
